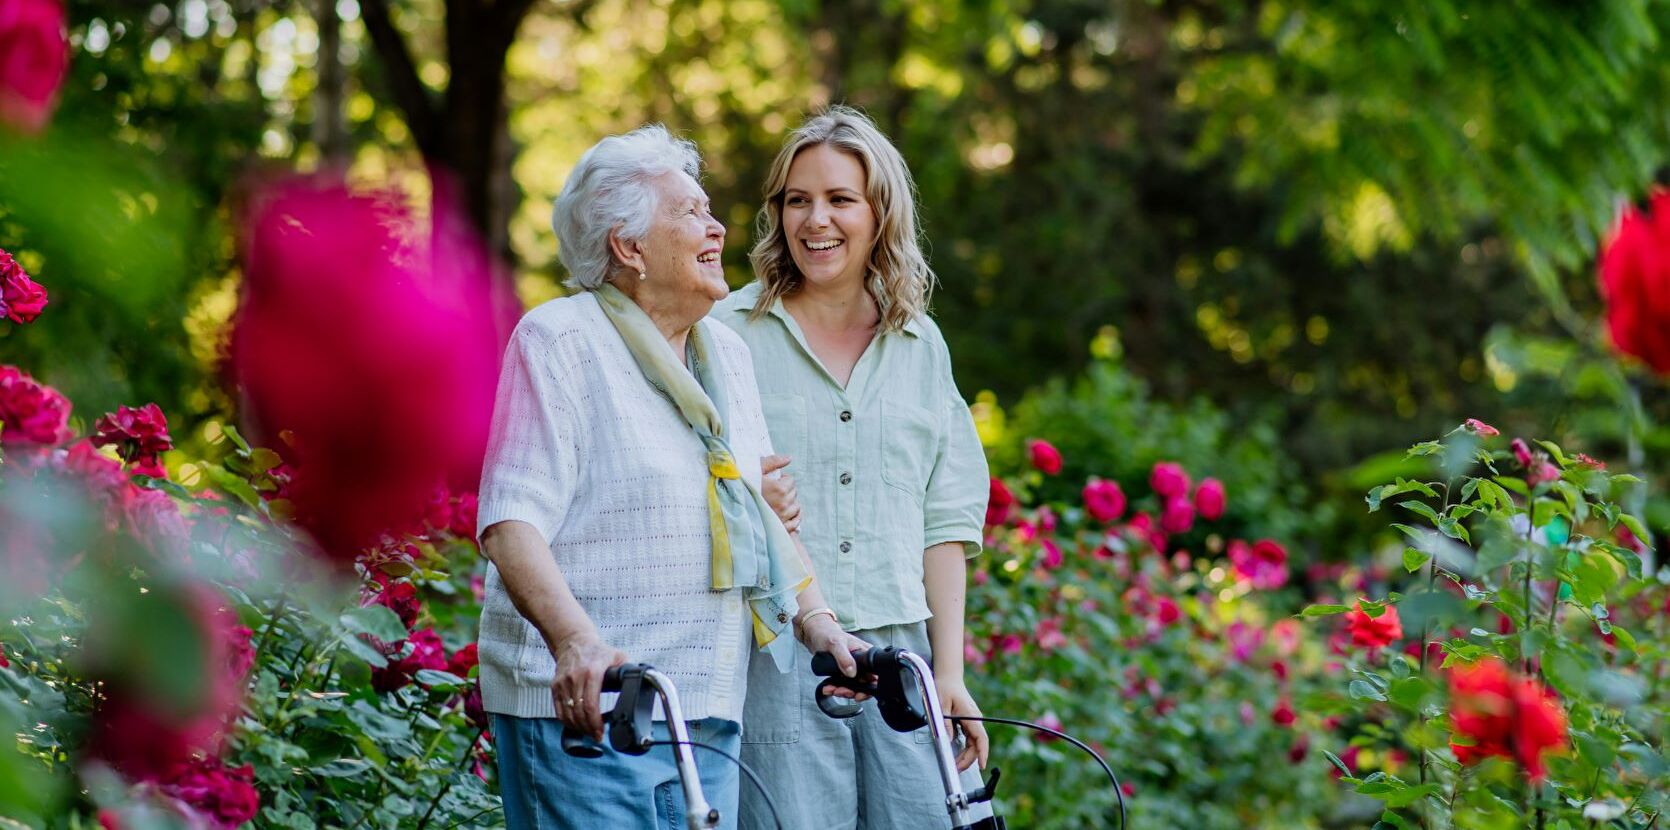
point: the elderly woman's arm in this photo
(538, 590)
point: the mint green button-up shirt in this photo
(885, 468)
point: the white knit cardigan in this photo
(603, 465)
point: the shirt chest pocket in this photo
(785, 419)
(909, 442)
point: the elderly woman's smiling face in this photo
(681, 250)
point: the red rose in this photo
(31, 412)
(139, 436)
(1497, 714)
(998, 503)
(1635, 283)
(1169, 480)
(21, 299)
(377, 348)
(1044, 456)
(1263, 563)
(1103, 500)
(399, 597)
(34, 55)
(1480, 428)
(1178, 516)
(1283, 714)
(463, 660)
(1142, 525)
(226, 797)
(464, 513)
(1210, 499)
(426, 652)
(1373, 632)
(4, 663)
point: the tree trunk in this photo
(330, 123)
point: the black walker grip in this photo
(582, 746)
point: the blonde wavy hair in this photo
(899, 277)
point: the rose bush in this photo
(1522, 666)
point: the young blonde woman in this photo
(888, 484)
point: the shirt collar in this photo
(750, 293)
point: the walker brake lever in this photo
(629, 723)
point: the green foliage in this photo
(1524, 564)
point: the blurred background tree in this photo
(1351, 223)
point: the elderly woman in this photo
(857, 388)
(620, 507)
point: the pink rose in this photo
(1480, 428)
(1264, 563)
(1283, 715)
(426, 652)
(139, 436)
(1210, 499)
(1053, 557)
(998, 503)
(1521, 452)
(34, 56)
(1044, 456)
(21, 299)
(1103, 500)
(376, 347)
(1048, 721)
(31, 412)
(1178, 516)
(464, 512)
(226, 797)
(1169, 480)
(1050, 636)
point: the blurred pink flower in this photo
(21, 299)
(1050, 636)
(1143, 527)
(34, 57)
(31, 412)
(1263, 563)
(1169, 480)
(1480, 428)
(464, 511)
(1283, 714)
(376, 346)
(998, 502)
(1178, 516)
(1521, 452)
(1043, 456)
(1243, 639)
(1048, 721)
(1103, 500)
(226, 797)
(1210, 499)
(1053, 557)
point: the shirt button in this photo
(846, 415)
(846, 478)
(782, 618)
(846, 547)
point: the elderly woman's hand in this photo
(581, 661)
(778, 488)
(822, 633)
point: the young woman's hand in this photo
(954, 699)
(820, 633)
(778, 488)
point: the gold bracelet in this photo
(801, 623)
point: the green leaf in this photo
(1323, 610)
(232, 484)
(1421, 508)
(1413, 560)
(363, 650)
(1636, 528)
(341, 768)
(1514, 484)
(440, 681)
(264, 459)
(1338, 764)
(1362, 690)
(237, 439)
(377, 621)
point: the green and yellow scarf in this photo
(751, 550)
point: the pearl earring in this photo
(643, 275)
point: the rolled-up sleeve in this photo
(954, 509)
(532, 459)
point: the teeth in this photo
(823, 246)
(708, 258)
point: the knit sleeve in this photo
(532, 461)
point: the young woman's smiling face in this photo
(827, 220)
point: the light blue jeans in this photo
(545, 788)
